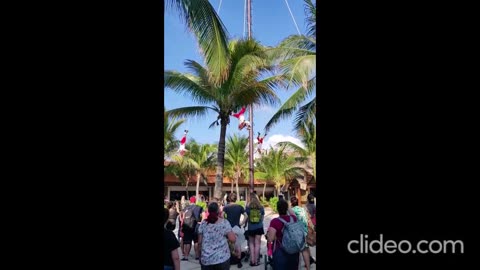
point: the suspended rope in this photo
(244, 16)
(293, 18)
(219, 6)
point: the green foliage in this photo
(170, 126)
(273, 204)
(279, 166)
(247, 62)
(236, 158)
(203, 205)
(264, 202)
(297, 56)
(212, 36)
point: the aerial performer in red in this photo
(241, 119)
(182, 149)
(260, 142)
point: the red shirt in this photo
(184, 139)
(278, 225)
(242, 111)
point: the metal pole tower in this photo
(250, 141)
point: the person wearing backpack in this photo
(302, 216)
(255, 214)
(191, 218)
(286, 237)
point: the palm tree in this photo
(212, 36)
(243, 87)
(261, 176)
(204, 156)
(308, 136)
(297, 56)
(183, 168)
(236, 159)
(278, 166)
(170, 126)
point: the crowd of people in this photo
(219, 233)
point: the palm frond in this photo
(299, 70)
(255, 93)
(211, 33)
(175, 125)
(306, 113)
(202, 73)
(296, 148)
(291, 104)
(276, 81)
(261, 175)
(300, 42)
(311, 18)
(247, 66)
(291, 47)
(188, 84)
(193, 111)
(213, 124)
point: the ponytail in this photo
(212, 217)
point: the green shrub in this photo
(264, 202)
(273, 204)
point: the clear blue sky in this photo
(272, 22)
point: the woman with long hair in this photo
(281, 259)
(172, 216)
(213, 234)
(255, 213)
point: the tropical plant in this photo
(273, 204)
(307, 154)
(170, 126)
(278, 166)
(244, 85)
(297, 56)
(183, 168)
(236, 159)
(201, 19)
(204, 156)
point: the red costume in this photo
(182, 149)
(241, 119)
(260, 142)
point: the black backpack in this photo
(189, 220)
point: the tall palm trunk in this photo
(264, 187)
(238, 190)
(220, 159)
(197, 193)
(231, 187)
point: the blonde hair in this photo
(254, 201)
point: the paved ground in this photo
(192, 264)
